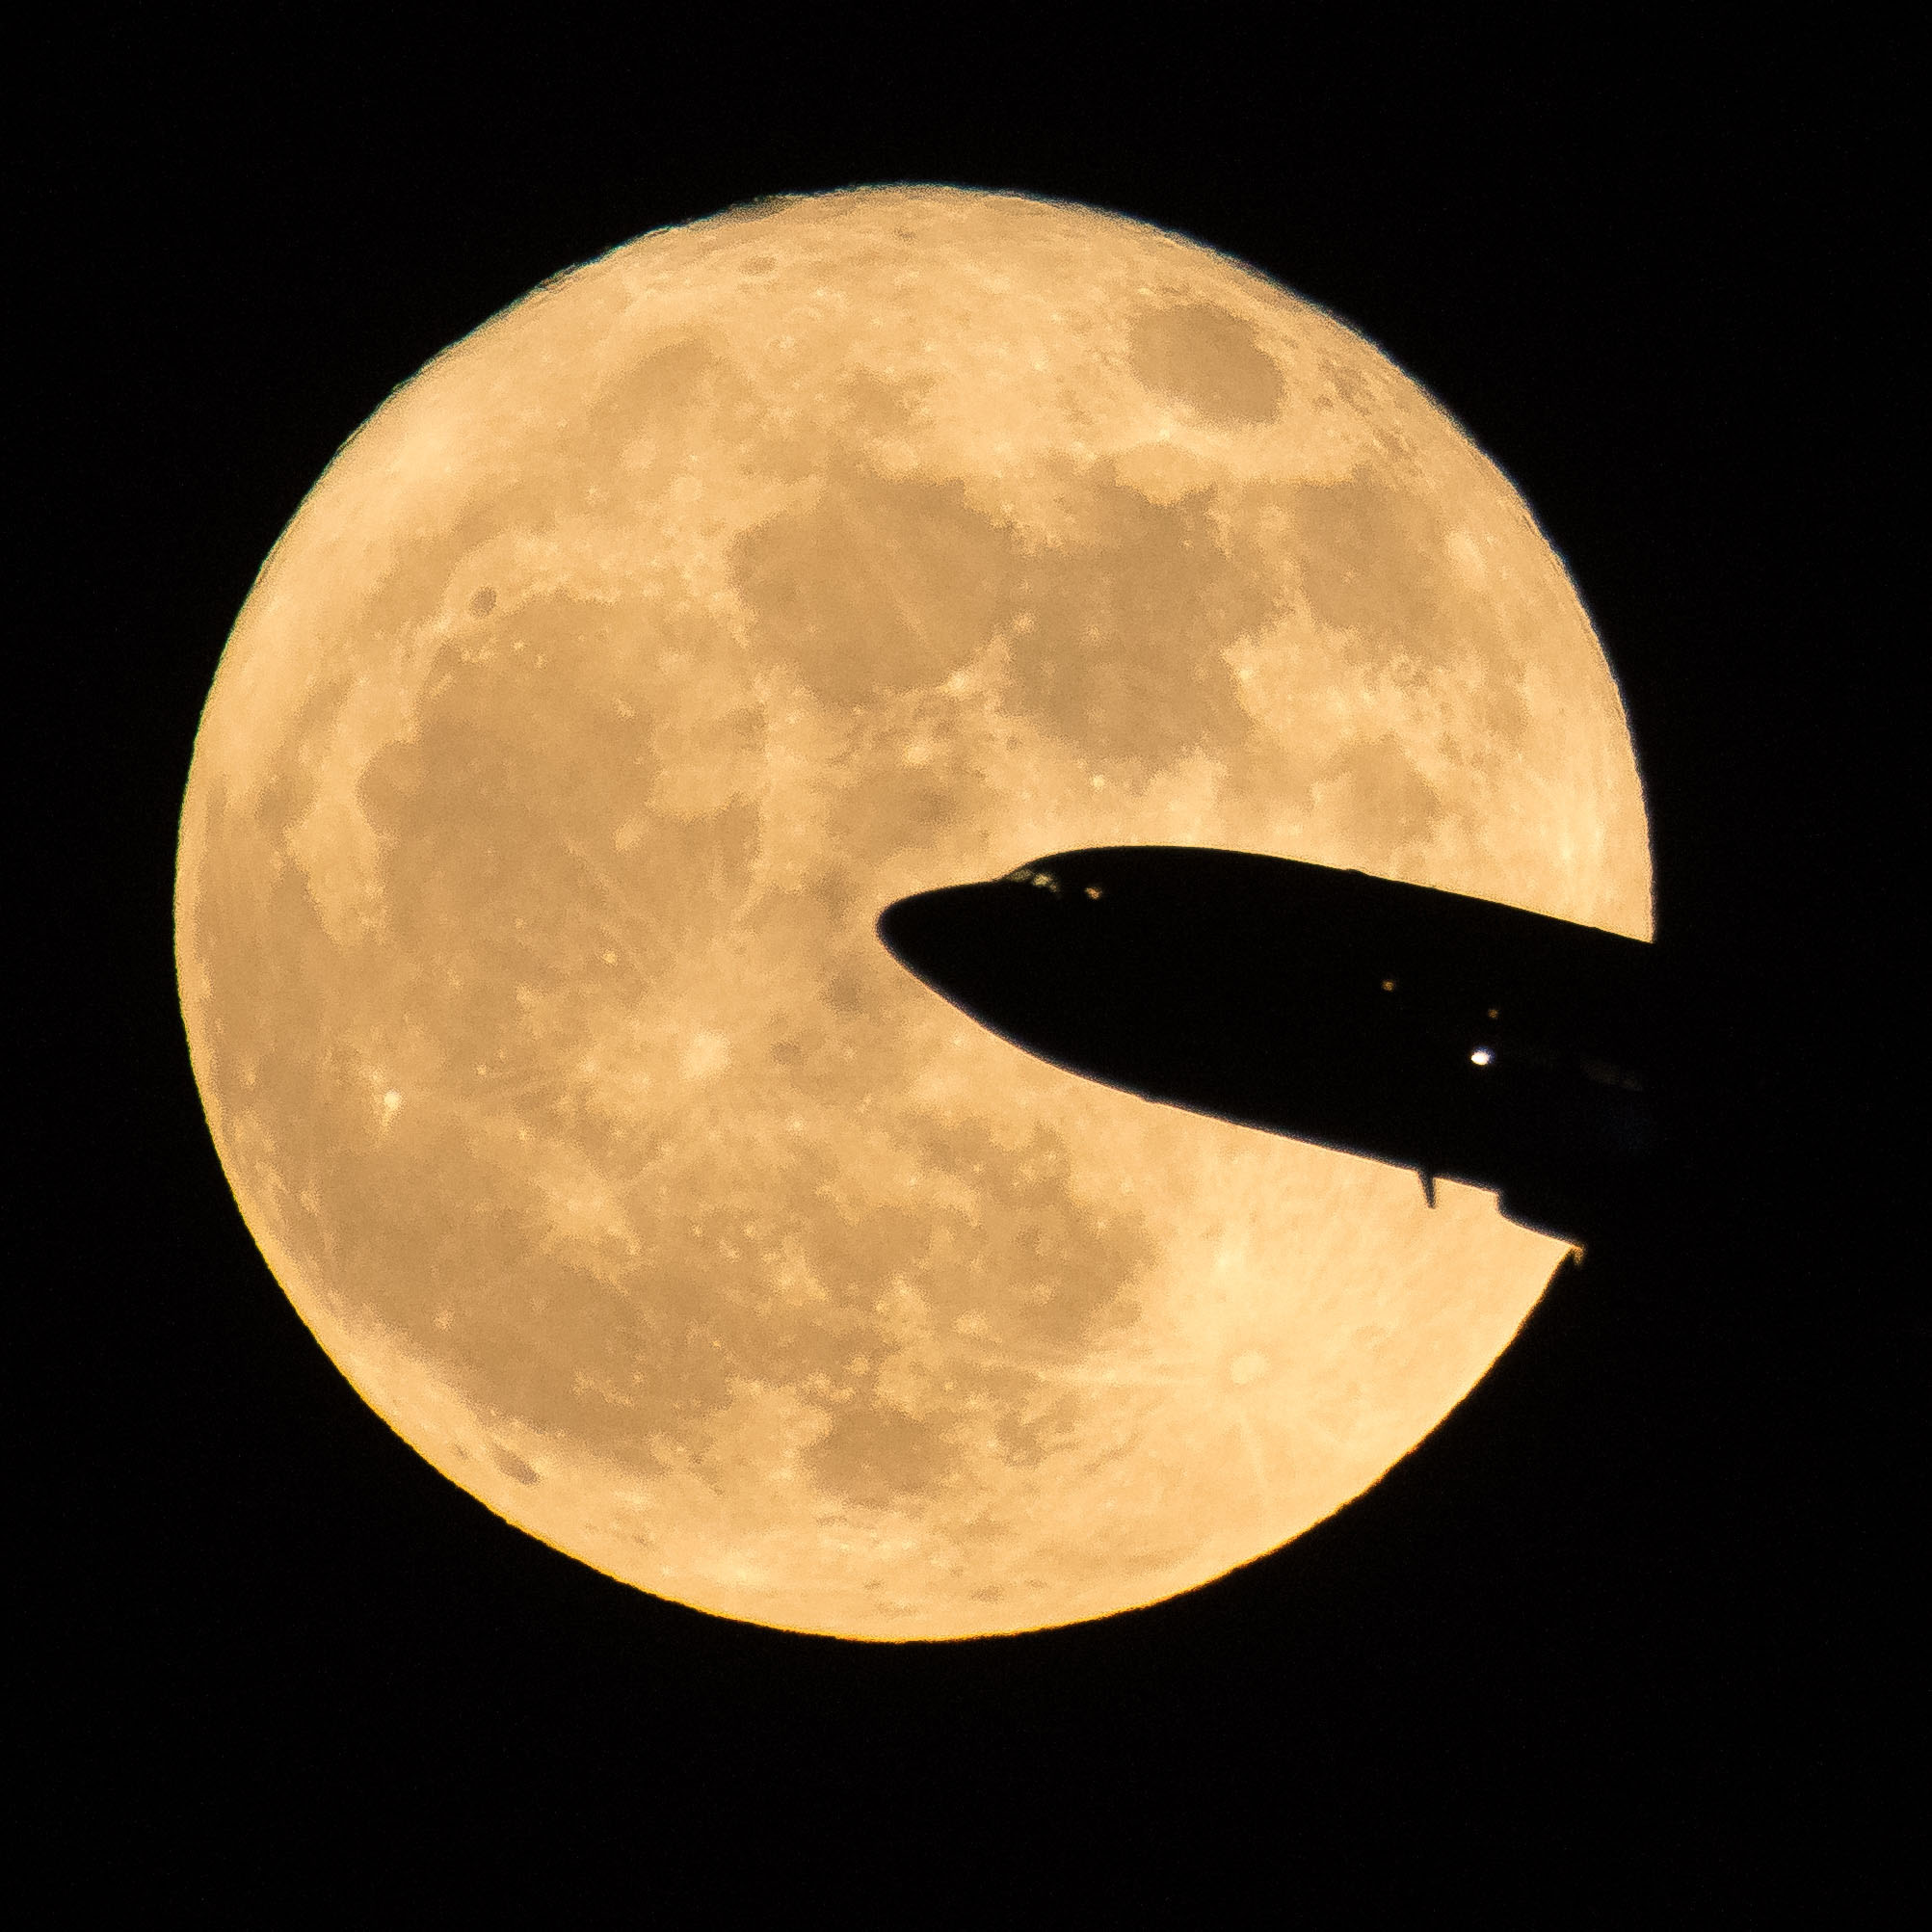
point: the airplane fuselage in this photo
(1462, 1038)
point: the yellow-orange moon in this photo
(616, 675)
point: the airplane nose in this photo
(1069, 975)
(940, 935)
(927, 930)
(989, 949)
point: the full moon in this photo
(616, 675)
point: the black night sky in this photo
(1628, 1633)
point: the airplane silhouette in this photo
(1468, 1040)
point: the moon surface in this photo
(612, 679)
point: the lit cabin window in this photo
(1481, 1057)
(1093, 891)
(1387, 986)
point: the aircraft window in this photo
(1093, 891)
(1387, 986)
